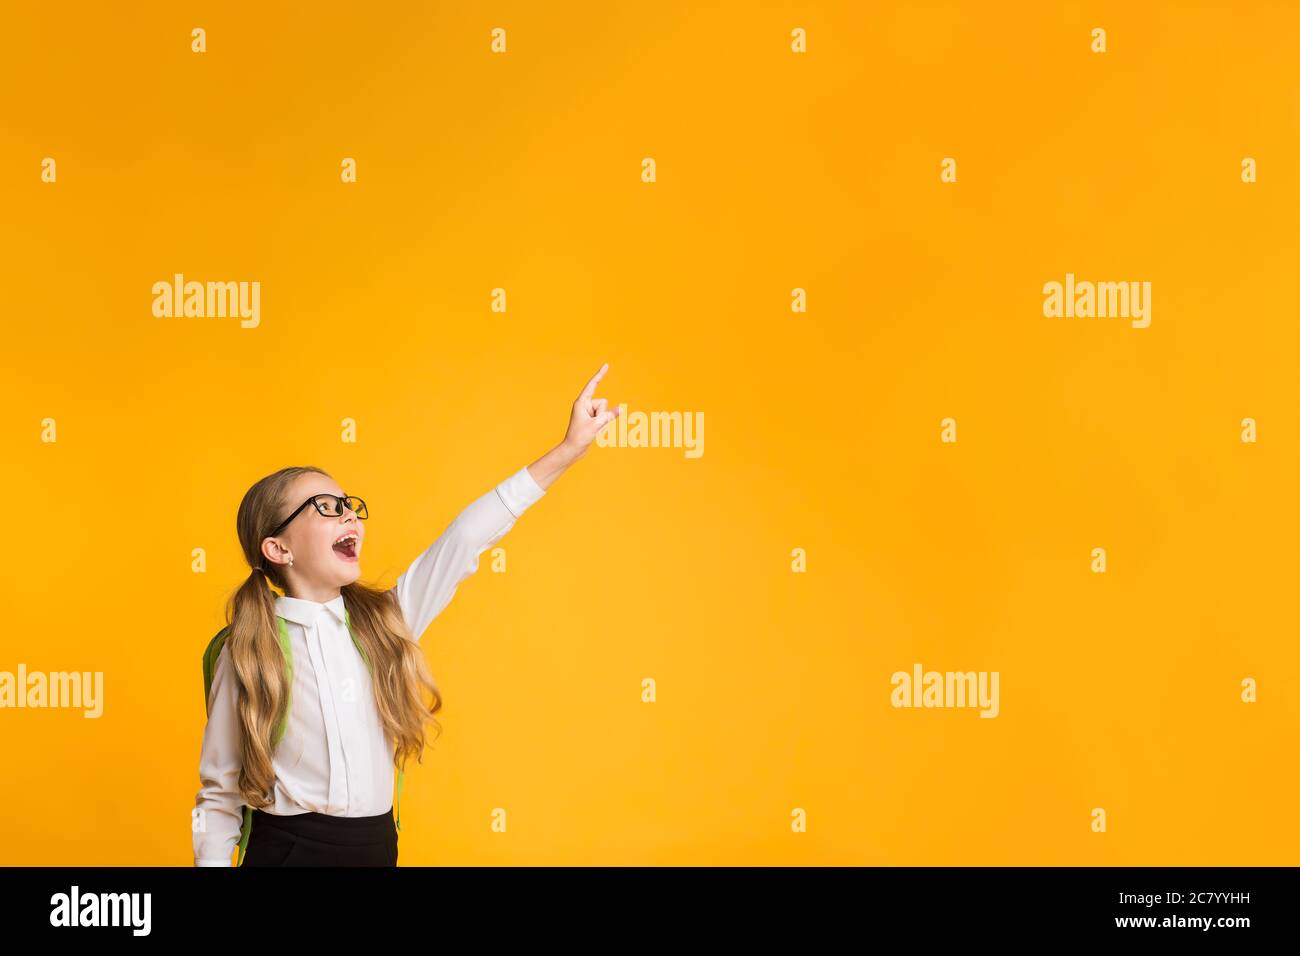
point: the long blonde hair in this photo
(399, 672)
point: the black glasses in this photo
(331, 506)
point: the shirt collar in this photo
(304, 612)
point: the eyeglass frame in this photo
(339, 503)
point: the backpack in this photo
(209, 669)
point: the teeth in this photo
(347, 537)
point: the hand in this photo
(589, 416)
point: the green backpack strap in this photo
(210, 668)
(401, 778)
(210, 663)
(287, 648)
(244, 831)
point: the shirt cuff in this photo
(519, 491)
(198, 862)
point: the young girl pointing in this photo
(318, 694)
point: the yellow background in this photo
(775, 171)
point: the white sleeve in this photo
(427, 586)
(219, 799)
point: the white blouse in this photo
(334, 757)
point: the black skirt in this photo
(320, 839)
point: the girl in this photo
(349, 689)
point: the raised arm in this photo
(219, 764)
(426, 587)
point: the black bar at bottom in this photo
(667, 905)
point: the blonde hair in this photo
(398, 672)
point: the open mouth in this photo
(347, 546)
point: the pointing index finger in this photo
(591, 386)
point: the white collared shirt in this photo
(334, 757)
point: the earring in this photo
(291, 562)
